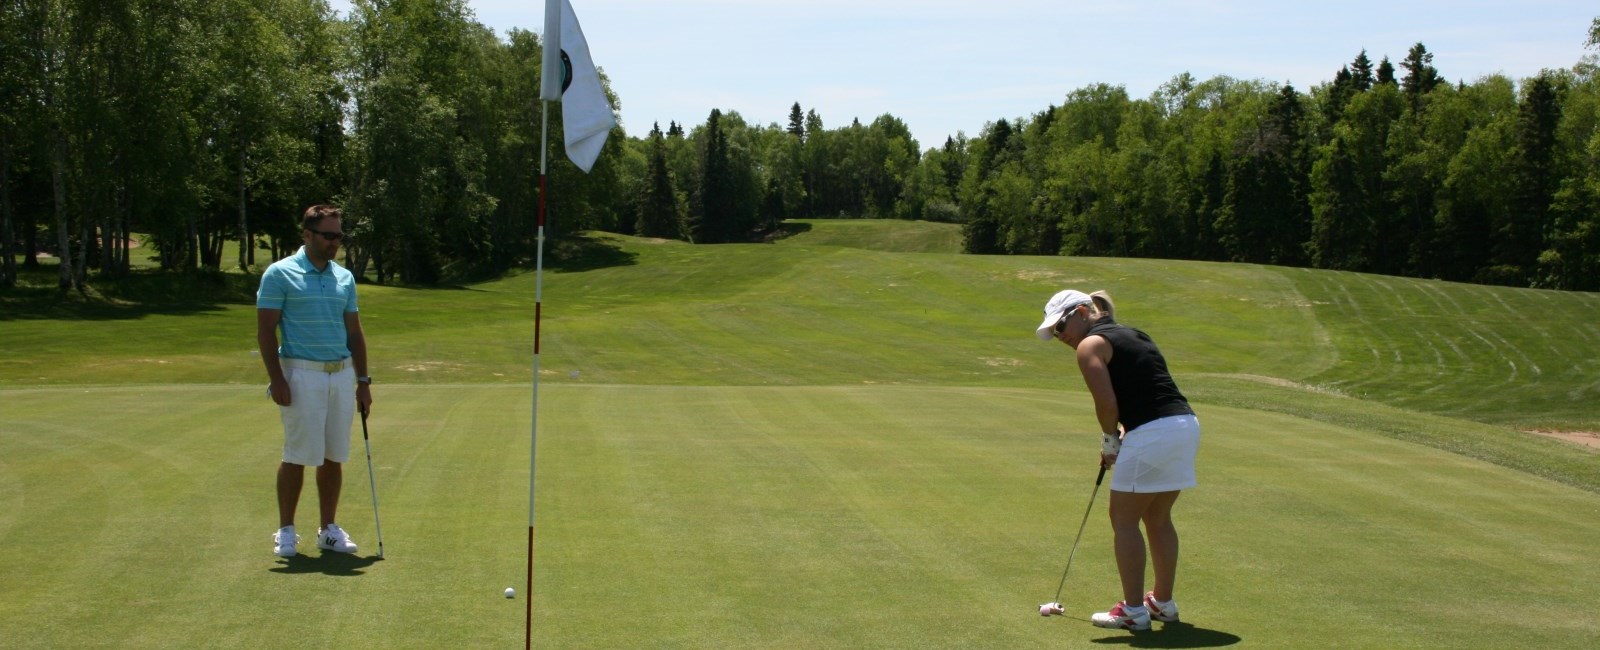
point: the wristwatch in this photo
(364, 379)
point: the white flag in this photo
(568, 76)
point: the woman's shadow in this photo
(1174, 635)
(329, 563)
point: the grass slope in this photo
(810, 443)
(805, 311)
(879, 235)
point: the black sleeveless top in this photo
(1145, 390)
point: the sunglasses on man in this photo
(328, 235)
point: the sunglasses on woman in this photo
(1061, 325)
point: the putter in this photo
(1054, 606)
(373, 482)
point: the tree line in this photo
(1388, 168)
(196, 122)
(1384, 169)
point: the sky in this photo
(944, 66)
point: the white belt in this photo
(329, 367)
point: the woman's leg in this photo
(1127, 509)
(1163, 536)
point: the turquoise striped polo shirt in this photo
(313, 303)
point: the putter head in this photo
(1051, 609)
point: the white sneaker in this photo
(1166, 612)
(333, 538)
(284, 541)
(1123, 617)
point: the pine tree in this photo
(797, 124)
(1339, 92)
(954, 164)
(981, 233)
(1361, 72)
(1520, 234)
(1340, 226)
(1386, 72)
(1265, 216)
(1421, 77)
(996, 142)
(658, 209)
(1291, 227)
(715, 213)
(1211, 193)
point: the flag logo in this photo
(566, 72)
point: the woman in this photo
(1151, 453)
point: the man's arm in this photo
(356, 340)
(267, 341)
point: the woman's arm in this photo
(1094, 353)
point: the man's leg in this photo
(300, 444)
(330, 479)
(290, 479)
(340, 396)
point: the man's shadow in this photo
(328, 563)
(1174, 635)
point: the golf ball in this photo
(511, 593)
(1044, 610)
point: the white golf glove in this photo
(1110, 444)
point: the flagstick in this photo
(538, 304)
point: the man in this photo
(319, 373)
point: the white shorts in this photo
(1158, 456)
(316, 423)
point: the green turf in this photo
(821, 442)
(879, 235)
(687, 517)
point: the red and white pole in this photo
(538, 306)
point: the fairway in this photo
(818, 443)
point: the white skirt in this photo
(1158, 456)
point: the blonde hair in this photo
(1102, 304)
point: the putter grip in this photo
(1102, 475)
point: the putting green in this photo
(755, 517)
